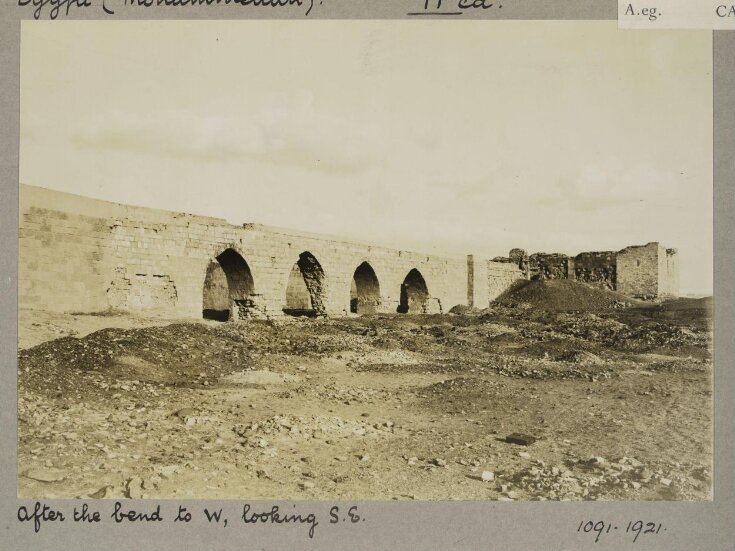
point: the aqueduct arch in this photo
(229, 287)
(306, 288)
(364, 290)
(414, 294)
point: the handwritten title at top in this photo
(53, 9)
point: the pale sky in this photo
(451, 137)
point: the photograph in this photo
(428, 260)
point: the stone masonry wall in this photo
(647, 271)
(80, 254)
(500, 276)
(83, 255)
(638, 271)
(668, 282)
(478, 289)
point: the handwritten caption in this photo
(633, 530)
(41, 514)
(53, 9)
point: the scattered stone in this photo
(101, 493)
(520, 439)
(44, 475)
(524, 455)
(184, 413)
(167, 471)
(488, 476)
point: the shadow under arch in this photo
(414, 294)
(229, 288)
(364, 290)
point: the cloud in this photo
(291, 134)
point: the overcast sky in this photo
(446, 137)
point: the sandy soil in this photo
(376, 407)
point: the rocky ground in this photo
(617, 402)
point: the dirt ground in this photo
(373, 407)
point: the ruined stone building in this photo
(84, 255)
(646, 272)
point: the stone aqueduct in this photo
(84, 255)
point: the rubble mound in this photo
(563, 295)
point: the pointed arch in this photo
(364, 290)
(228, 287)
(306, 288)
(414, 294)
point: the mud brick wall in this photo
(596, 268)
(500, 276)
(85, 255)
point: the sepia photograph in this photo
(370, 260)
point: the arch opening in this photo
(228, 288)
(306, 288)
(414, 294)
(364, 290)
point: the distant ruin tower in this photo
(648, 272)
